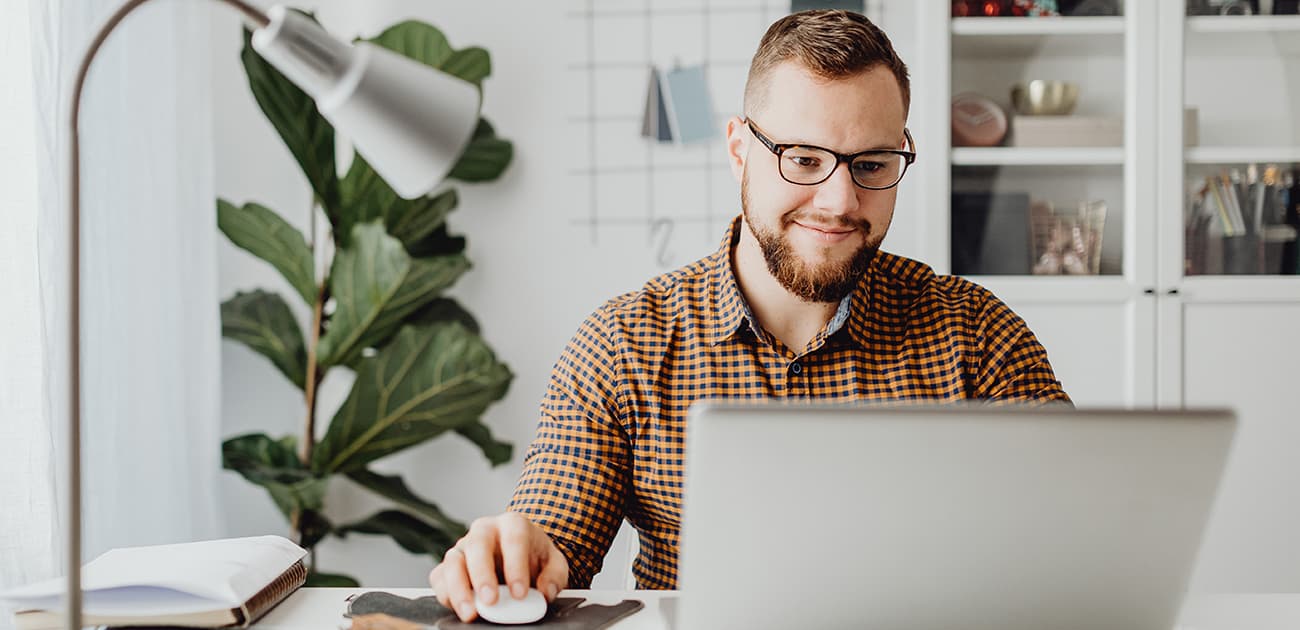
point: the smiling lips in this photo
(826, 234)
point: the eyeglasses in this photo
(807, 165)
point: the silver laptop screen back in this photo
(971, 517)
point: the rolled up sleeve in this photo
(574, 483)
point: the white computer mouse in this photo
(509, 610)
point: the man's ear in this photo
(737, 146)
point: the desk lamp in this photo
(410, 122)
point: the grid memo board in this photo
(677, 198)
(674, 199)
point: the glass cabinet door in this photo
(1241, 95)
(1038, 139)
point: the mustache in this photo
(835, 221)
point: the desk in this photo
(322, 609)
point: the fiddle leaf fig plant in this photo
(380, 310)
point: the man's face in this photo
(817, 240)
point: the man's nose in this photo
(838, 194)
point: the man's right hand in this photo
(506, 549)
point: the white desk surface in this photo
(322, 609)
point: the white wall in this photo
(535, 276)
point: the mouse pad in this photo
(378, 610)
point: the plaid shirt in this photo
(610, 440)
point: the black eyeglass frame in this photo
(778, 148)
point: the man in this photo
(797, 303)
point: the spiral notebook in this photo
(227, 583)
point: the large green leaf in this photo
(312, 527)
(365, 197)
(440, 243)
(414, 222)
(263, 322)
(274, 465)
(417, 40)
(426, 44)
(441, 309)
(293, 113)
(445, 309)
(428, 380)
(472, 64)
(377, 286)
(264, 234)
(392, 487)
(486, 157)
(413, 534)
(496, 451)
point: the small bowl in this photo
(1044, 98)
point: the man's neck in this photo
(783, 314)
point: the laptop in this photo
(971, 517)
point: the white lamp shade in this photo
(411, 122)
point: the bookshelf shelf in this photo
(1035, 156)
(1242, 155)
(1265, 35)
(1024, 26)
(1020, 37)
(1244, 24)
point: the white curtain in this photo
(27, 501)
(150, 312)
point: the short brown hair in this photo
(833, 44)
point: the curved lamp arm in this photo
(411, 123)
(73, 610)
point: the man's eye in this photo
(804, 161)
(867, 167)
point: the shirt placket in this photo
(798, 375)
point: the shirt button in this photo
(795, 368)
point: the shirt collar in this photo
(729, 305)
(732, 310)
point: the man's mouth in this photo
(826, 233)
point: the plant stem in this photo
(309, 431)
(312, 378)
(322, 294)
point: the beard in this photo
(824, 282)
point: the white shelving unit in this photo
(1149, 336)
(1099, 330)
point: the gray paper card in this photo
(654, 106)
(689, 108)
(847, 5)
(663, 131)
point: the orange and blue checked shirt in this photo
(610, 440)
